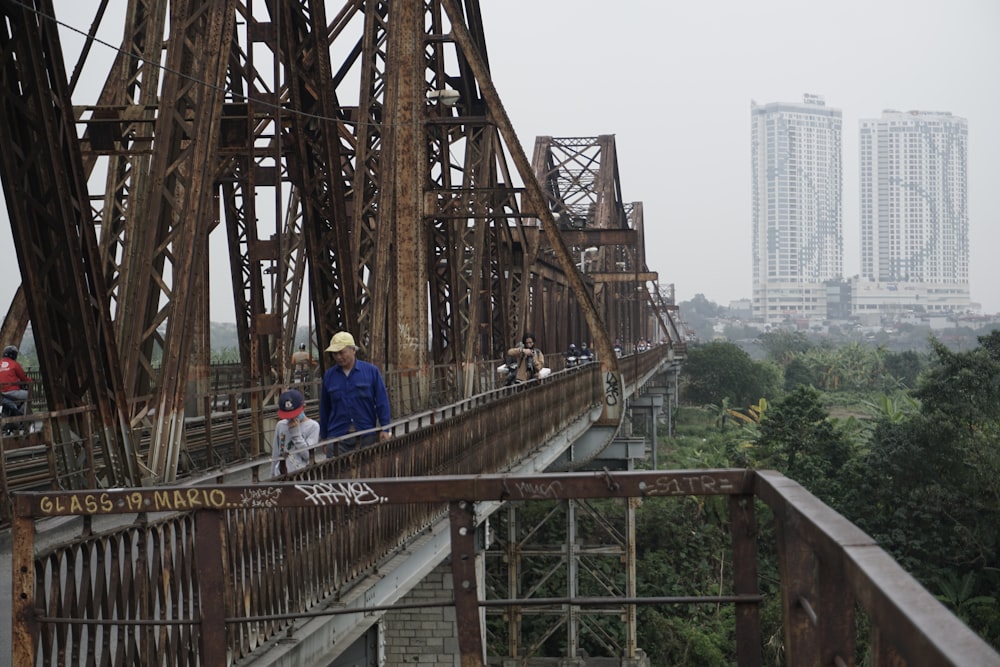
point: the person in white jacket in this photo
(294, 434)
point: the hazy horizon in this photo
(674, 83)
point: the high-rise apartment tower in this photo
(797, 219)
(914, 212)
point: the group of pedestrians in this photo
(353, 399)
(578, 356)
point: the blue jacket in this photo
(354, 402)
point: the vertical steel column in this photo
(572, 583)
(513, 554)
(463, 569)
(24, 627)
(213, 581)
(743, 522)
(401, 282)
(631, 585)
(183, 172)
(52, 225)
(798, 590)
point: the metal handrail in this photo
(823, 559)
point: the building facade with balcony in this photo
(914, 213)
(797, 183)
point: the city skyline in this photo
(914, 250)
(673, 81)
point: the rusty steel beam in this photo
(391, 491)
(637, 278)
(321, 170)
(598, 237)
(399, 285)
(466, 589)
(181, 214)
(52, 225)
(612, 410)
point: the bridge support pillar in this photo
(424, 635)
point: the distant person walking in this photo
(354, 398)
(302, 364)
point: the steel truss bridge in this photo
(355, 158)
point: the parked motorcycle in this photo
(11, 407)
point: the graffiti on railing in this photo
(537, 490)
(171, 500)
(612, 390)
(336, 493)
(694, 484)
(264, 497)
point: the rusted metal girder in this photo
(427, 260)
(598, 237)
(330, 187)
(180, 216)
(401, 270)
(48, 205)
(612, 411)
(621, 277)
(580, 177)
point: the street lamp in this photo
(583, 257)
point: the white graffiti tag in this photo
(346, 493)
(680, 486)
(538, 490)
(260, 497)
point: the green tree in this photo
(929, 487)
(721, 370)
(798, 372)
(798, 438)
(904, 367)
(783, 346)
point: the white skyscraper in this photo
(797, 220)
(914, 212)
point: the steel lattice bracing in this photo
(581, 181)
(361, 153)
(57, 249)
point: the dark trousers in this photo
(350, 444)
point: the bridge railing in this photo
(39, 451)
(243, 562)
(142, 598)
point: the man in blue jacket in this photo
(353, 399)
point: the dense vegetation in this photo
(906, 446)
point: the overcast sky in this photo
(673, 82)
